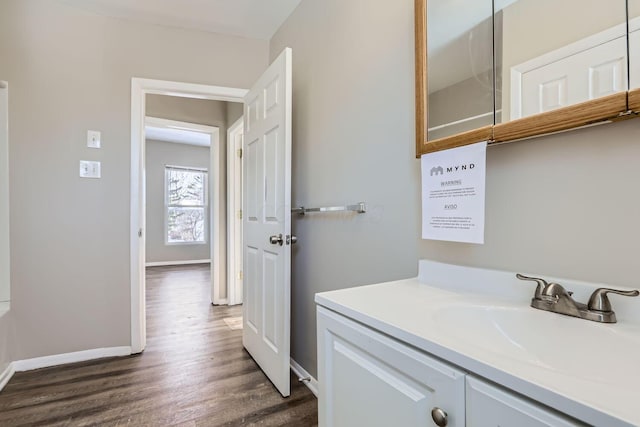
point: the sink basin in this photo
(565, 345)
(480, 321)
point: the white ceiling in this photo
(257, 19)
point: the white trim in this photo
(188, 262)
(157, 122)
(187, 168)
(139, 89)
(174, 124)
(467, 119)
(64, 358)
(302, 373)
(6, 375)
(217, 239)
(215, 140)
(574, 48)
(137, 246)
(221, 301)
(234, 223)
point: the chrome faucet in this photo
(553, 297)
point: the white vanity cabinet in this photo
(491, 406)
(465, 341)
(369, 379)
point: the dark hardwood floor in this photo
(194, 372)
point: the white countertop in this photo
(560, 363)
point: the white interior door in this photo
(267, 221)
(587, 69)
(591, 74)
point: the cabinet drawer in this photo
(491, 406)
(366, 378)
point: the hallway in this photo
(194, 372)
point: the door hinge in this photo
(240, 214)
(240, 152)
(240, 275)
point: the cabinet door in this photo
(491, 406)
(590, 74)
(368, 379)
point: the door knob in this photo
(276, 240)
(439, 417)
(292, 239)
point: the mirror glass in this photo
(459, 66)
(555, 53)
(634, 43)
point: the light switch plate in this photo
(89, 169)
(93, 139)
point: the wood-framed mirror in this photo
(482, 76)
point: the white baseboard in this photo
(300, 372)
(164, 263)
(6, 375)
(62, 359)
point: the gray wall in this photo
(200, 111)
(353, 130)
(71, 71)
(563, 205)
(235, 110)
(158, 155)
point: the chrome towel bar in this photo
(359, 208)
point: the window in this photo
(186, 205)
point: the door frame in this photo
(234, 219)
(215, 239)
(140, 87)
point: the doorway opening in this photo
(182, 200)
(141, 88)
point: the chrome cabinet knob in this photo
(276, 240)
(439, 417)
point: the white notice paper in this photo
(453, 187)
